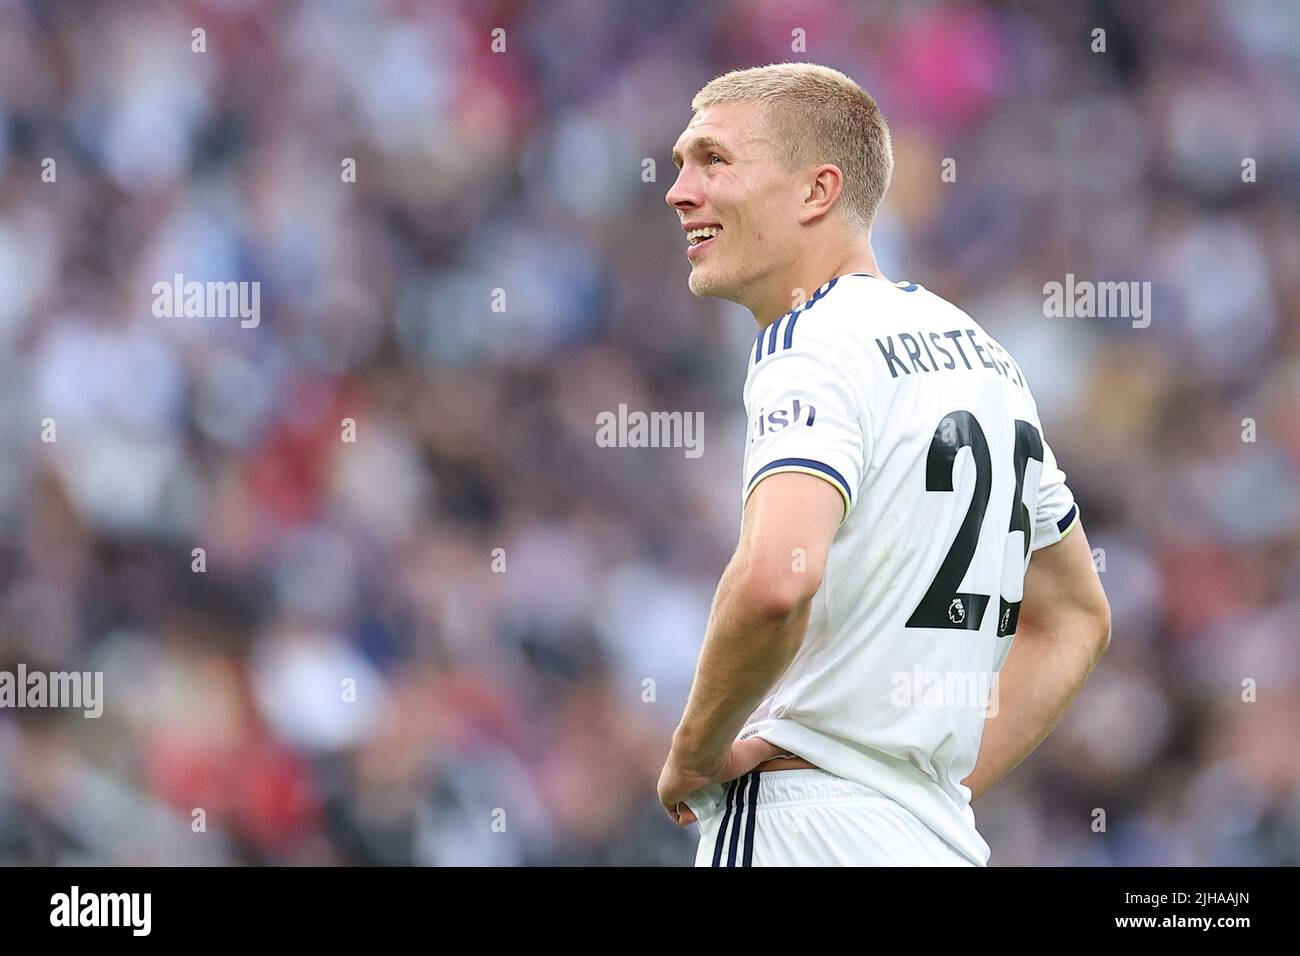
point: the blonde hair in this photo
(817, 115)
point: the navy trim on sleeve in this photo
(809, 463)
(1069, 517)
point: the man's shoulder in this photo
(860, 306)
(893, 333)
(825, 318)
(868, 330)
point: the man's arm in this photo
(1064, 627)
(760, 612)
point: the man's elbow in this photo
(779, 595)
(1097, 628)
(1105, 632)
(1083, 626)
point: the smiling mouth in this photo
(697, 236)
(697, 239)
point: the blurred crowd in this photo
(465, 636)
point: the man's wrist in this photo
(689, 753)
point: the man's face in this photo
(730, 179)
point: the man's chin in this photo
(704, 285)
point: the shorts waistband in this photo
(781, 787)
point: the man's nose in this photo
(682, 196)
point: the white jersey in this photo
(926, 427)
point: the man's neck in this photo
(810, 275)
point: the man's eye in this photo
(713, 156)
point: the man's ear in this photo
(824, 191)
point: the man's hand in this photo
(680, 779)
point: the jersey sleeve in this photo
(1058, 513)
(806, 414)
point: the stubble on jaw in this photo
(709, 286)
(697, 284)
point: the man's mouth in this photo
(699, 238)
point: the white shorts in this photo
(811, 818)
